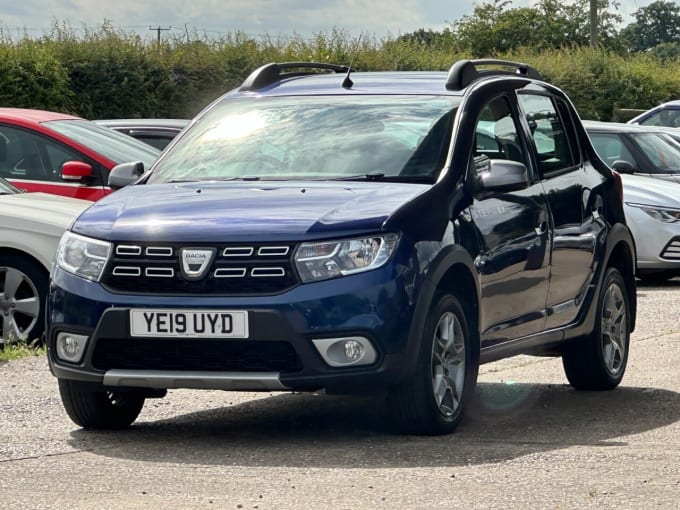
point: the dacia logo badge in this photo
(195, 261)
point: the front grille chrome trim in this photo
(273, 251)
(127, 271)
(128, 250)
(238, 251)
(159, 251)
(267, 272)
(230, 272)
(159, 272)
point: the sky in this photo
(275, 18)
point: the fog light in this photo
(70, 347)
(342, 352)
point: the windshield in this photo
(322, 137)
(6, 188)
(115, 146)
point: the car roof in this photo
(144, 123)
(32, 115)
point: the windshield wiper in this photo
(373, 176)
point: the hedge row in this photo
(106, 73)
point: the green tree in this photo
(658, 23)
(496, 27)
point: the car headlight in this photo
(82, 255)
(329, 259)
(665, 214)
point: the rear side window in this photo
(553, 140)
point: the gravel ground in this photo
(529, 441)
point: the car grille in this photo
(194, 354)
(672, 250)
(235, 269)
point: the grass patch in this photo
(19, 350)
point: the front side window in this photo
(401, 138)
(496, 133)
(662, 150)
(30, 156)
(550, 136)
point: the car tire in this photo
(598, 361)
(433, 400)
(92, 406)
(23, 294)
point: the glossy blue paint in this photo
(235, 211)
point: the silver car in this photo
(652, 208)
(31, 225)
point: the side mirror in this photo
(125, 173)
(75, 171)
(502, 175)
(623, 167)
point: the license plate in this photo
(189, 323)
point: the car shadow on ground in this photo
(506, 421)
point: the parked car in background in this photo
(651, 206)
(652, 209)
(631, 149)
(156, 132)
(374, 233)
(665, 114)
(30, 227)
(62, 154)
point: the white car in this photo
(31, 225)
(652, 208)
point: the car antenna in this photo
(347, 82)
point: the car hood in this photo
(39, 212)
(243, 211)
(639, 189)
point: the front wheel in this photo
(92, 406)
(23, 291)
(432, 401)
(598, 361)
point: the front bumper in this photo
(279, 353)
(657, 243)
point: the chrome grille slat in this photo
(159, 272)
(672, 250)
(159, 251)
(267, 272)
(273, 251)
(128, 250)
(238, 251)
(127, 271)
(230, 272)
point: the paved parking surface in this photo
(529, 442)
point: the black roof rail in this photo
(271, 73)
(464, 72)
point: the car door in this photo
(32, 161)
(512, 229)
(572, 189)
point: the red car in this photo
(62, 154)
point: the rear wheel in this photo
(23, 292)
(598, 361)
(433, 400)
(92, 406)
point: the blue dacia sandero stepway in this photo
(354, 232)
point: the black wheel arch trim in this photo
(439, 267)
